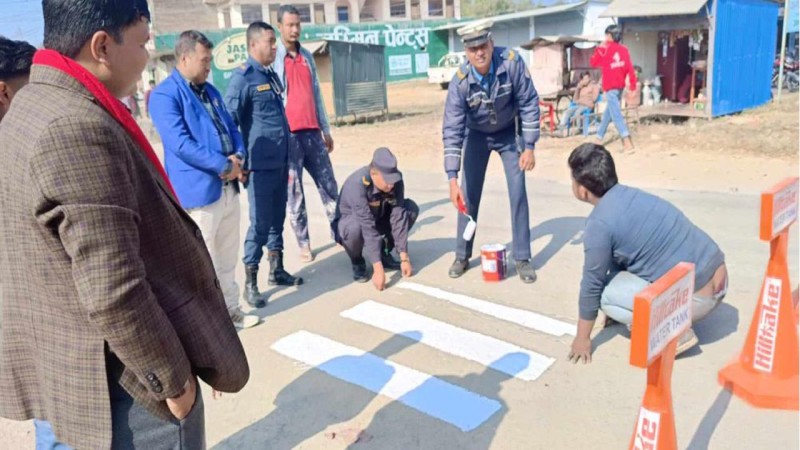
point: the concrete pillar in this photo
(236, 16)
(265, 13)
(355, 12)
(451, 40)
(424, 8)
(331, 15)
(386, 11)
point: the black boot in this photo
(251, 294)
(278, 276)
(388, 261)
(359, 270)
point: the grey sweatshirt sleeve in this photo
(597, 252)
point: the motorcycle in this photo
(791, 74)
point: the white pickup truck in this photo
(446, 69)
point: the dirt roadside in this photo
(741, 153)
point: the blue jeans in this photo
(616, 301)
(267, 195)
(575, 111)
(613, 112)
(45, 438)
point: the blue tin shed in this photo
(730, 43)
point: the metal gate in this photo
(359, 79)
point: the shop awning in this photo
(650, 8)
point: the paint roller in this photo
(469, 230)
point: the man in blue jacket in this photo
(204, 155)
(491, 106)
(255, 100)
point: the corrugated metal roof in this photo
(315, 46)
(649, 8)
(561, 39)
(514, 16)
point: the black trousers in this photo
(352, 238)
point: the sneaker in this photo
(306, 255)
(458, 268)
(241, 320)
(526, 272)
(686, 341)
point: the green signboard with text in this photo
(409, 47)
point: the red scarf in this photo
(112, 105)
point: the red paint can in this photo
(494, 261)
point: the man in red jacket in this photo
(615, 61)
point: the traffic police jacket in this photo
(512, 98)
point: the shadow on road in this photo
(702, 437)
(721, 323)
(399, 426)
(316, 400)
(561, 230)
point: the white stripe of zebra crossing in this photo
(437, 398)
(486, 350)
(527, 319)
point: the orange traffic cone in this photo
(766, 372)
(655, 427)
(661, 313)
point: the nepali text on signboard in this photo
(416, 38)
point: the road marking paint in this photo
(491, 352)
(527, 319)
(430, 395)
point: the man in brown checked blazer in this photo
(111, 309)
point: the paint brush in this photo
(469, 230)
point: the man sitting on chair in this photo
(584, 99)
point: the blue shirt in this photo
(645, 235)
(487, 80)
(224, 136)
